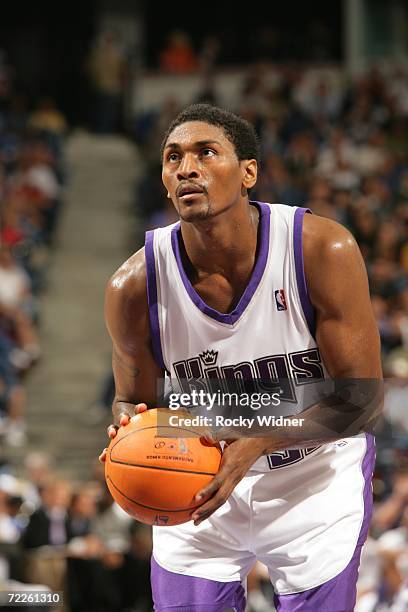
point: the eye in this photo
(173, 157)
(208, 152)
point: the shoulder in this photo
(126, 295)
(321, 234)
(332, 259)
(129, 280)
(327, 243)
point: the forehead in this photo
(191, 132)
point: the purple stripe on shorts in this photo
(182, 593)
(367, 469)
(339, 593)
(231, 317)
(300, 269)
(335, 595)
(152, 299)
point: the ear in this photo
(250, 173)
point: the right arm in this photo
(135, 370)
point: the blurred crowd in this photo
(55, 534)
(31, 180)
(70, 537)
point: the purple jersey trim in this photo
(300, 270)
(257, 273)
(152, 299)
(182, 593)
(335, 595)
(367, 469)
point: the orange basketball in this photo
(154, 477)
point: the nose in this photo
(188, 167)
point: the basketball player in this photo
(266, 288)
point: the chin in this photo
(195, 213)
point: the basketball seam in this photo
(157, 467)
(149, 507)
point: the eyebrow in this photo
(198, 143)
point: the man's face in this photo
(201, 171)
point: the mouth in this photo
(189, 191)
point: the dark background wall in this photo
(279, 30)
(46, 45)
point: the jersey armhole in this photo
(153, 306)
(307, 306)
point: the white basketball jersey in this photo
(268, 334)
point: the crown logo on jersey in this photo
(209, 358)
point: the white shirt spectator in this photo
(14, 285)
(43, 178)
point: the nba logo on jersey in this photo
(280, 299)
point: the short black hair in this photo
(238, 131)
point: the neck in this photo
(221, 244)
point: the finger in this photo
(112, 431)
(197, 519)
(206, 510)
(209, 490)
(124, 419)
(102, 456)
(208, 440)
(140, 408)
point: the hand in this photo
(237, 458)
(124, 418)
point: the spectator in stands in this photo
(46, 535)
(107, 71)
(208, 54)
(19, 346)
(15, 284)
(370, 576)
(392, 548)
(38, 472)
(388, 514)
(37, 179)
(207, 93)
(47, 118)
(10, 527)
(49, 524)
(106, 547)
(178, 56)
(81, 512)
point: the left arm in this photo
(346, 332)
(349, 343)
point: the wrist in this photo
(257, 447)
(264, 445)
